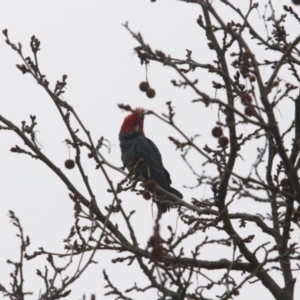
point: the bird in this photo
(136, 148)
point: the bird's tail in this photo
(164, 207)
(175, 192)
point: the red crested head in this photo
(134, 122)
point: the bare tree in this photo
(251, 90)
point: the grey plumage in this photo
(134, 146)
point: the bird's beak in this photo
(137, 128)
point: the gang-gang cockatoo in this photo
(135, 146)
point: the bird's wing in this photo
(166, 175)
(155, 149)
(147, 150)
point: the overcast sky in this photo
(86, 41)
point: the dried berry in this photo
(217, 132)
(245, 98)
(69, 164)
(146, 195)
(157, 252)
(150, 185)
(285, 182)
(144, 86)
(249, 111)
(150, 93)
(223, 141)
(252, 78)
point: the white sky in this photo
(85, 40)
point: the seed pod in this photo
(249, 111)
(69, 164)
(150, 93)
(245, 98)
(223, 141)
(217, 132)
(144, 86)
